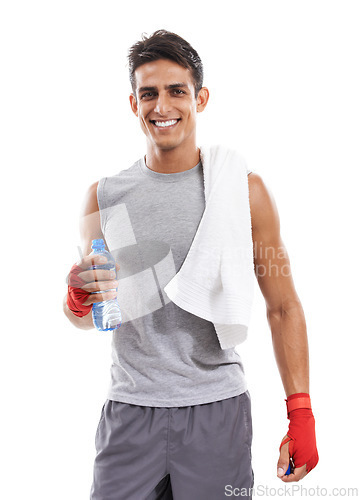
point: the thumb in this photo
(117, 266)
(283, 462)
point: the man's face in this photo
(166, 105)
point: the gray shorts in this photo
(186, 453)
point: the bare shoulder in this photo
(90, 203)
(258, 192)
(90, 220)
(263, 208)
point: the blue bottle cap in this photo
(98, 244)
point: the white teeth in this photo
(165, 124)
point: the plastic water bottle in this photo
(106, 315)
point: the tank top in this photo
(162, 355)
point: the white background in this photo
(283, 80)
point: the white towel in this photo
(216, 279)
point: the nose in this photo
(163, 104)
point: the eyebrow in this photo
(167, 87)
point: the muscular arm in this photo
(90, 228)
(284, 311)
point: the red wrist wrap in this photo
(301, 400)
(75, 295)
(301, 432)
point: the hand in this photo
(97, 280)
(283, 464)
(87, 286)
(299, 444)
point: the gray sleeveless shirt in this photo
(161, 354)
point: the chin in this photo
(166, 146)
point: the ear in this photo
(202, 99)
(133, 103)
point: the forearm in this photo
(84, 323)
(290, 344)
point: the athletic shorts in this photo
(195, 452)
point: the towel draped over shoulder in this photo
(216, 279)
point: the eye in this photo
(147, 94)
(179, 91)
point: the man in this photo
(177, 420)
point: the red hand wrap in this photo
(75, 295)
(301, 432)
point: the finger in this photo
(297, 475)
(283, 461)
(100, 297)
(97, 275)
(91, 260)
(95, 286)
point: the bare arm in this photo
(90, 228)
(284, 311)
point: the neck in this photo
(173, 160)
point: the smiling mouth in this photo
(165, 123)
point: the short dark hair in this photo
(163, 44)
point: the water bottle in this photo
(106, 315)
